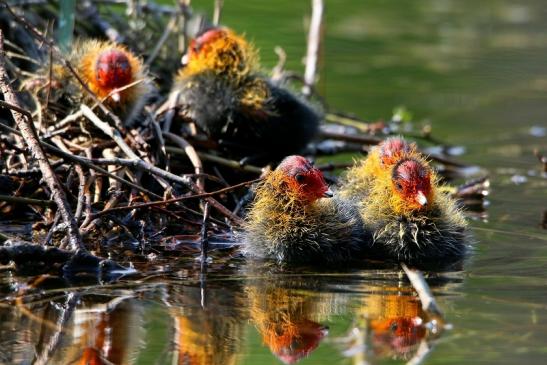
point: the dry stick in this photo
(359, 124)
(314, 42)
(220, 160)
(174, 200)
(26, 127)
(204, 237)
(108, 130)
(81, 178)
(217, 12)
(192, 155)
(26, 201)
(351, 138)
(429, 305)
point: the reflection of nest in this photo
(210, 335)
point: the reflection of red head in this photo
(113, 69)
(397, 336)
(412, 182)
(292, 343)
(303, 178)
(392, 149)
(91, 356)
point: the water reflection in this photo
(208, 323)
(288, 314)
(391, 324)
(211, 321)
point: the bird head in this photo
(113, 71)
(107, 68)
(218, 50)
(412, 186)
(300, 180)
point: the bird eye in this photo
(399, 186)
(300, 178)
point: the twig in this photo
(217, 12)
(204, 237)
(429, 305)
(108, 130)
(365, 140)
(174, 200)
(314, 42)
(191, 153)
(26, 201)
(220, 160)
(24, 122)
(279, 69)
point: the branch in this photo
(314, 42)
(24, 122)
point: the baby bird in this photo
(291, 223)
(221, 89)
(411, 219)
(107, 69)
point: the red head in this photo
(391, 149)
(199, 44)
(303, 178)
(412, 183)
(113, 69)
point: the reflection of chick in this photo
(396, 322)
(286, 320)
(222, 91)
(289, 221)
(104, 67)
(100, 334)
(210, 335)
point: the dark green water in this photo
(477, 72)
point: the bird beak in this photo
(116, 97)
(328, 194)
(421, 199)
(184, 60)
